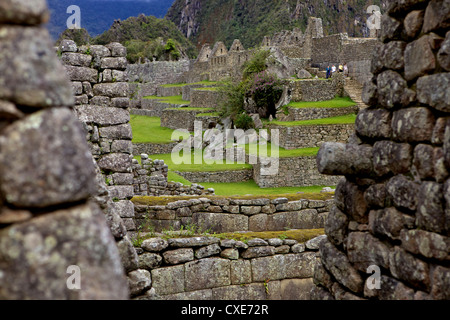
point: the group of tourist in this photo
(342, 68)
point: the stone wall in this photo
(159, 72)
(312, 136)
(153, 148)
(207, 268)
(218, 176)
(231, 215)
(313, 90)
(180, 118)
(102, 94)
(292, 172)
(392, 208)
(150, 179)
(205, 98)
(299, 114)
(48, 221)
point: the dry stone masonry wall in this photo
(48, 219)
(231, 215)
(207, 268)
(392, 209)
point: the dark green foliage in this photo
(244, 121)
(80, 36)
(256, 64)
(148, 37)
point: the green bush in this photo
(244, 121)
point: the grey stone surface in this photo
(139, 281)
(27, 248)
(207, 273)
(45, 160)
(434, 90)
(31, 73)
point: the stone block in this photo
(168, 280)
(82, 74)
(386, 222)
(139, 281)
(441, 283)
(391, 158)
(350, 199)
(207, 251)
(254, 291)
(393, 90)
(413, 23)
(220, 222)
(119, 63)
(391, 29)
(232, 254)
(411, 270)
(103, 116)
(419, 58)
(423, 161)
(413, 124)
(364, 250)
(430, 213)
(336, 226)
(24, 12)
(392, 54)
(24, 51)
(45, 160)
(344, 159)
(192, 242)
(117, 132)
(256, 252)
(115, 162)
(427, 244)
(436, 16)
(207, 273)
(124, 146)
(434, 90)
(76, 59)
(338, 265)
(296, 289)
(283, 266)
(27, 247)
(374, 124)
(178, 256)
(154, 244)
(403, 192)
(443, 55)
(304, 219)
(112, 90)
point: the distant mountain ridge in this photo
(97, 16)
(208, 21)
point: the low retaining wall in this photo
(205, 98)
(164, 91)
(180, 118)
(293, 172)
(298, 114)
(207, 268)
(313, 136)
(231, 215)
(218, 176)
(155, 108)
(314, 90)
(153, 148)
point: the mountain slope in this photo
(97, 16)
(208, 21)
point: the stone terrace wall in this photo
(292, 172)
(392, 210)
(150, 179)
(313, 136)
(207, 268)
(218, 176)
(159, 72)
(313, 90)
(298, 114)
(97, 73)
(47, 175)
(231, 215)
(205, 98)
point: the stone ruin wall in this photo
(392, 209)
(208, 268)
(50, 218)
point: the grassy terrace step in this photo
(301, 235)
(251, 188)
(164, 200)
(171, 99)
(346, 119)
(177, 85)
(282, 153)
(148, 130)
(338, 102)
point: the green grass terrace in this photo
(338, 102)
(345, 119)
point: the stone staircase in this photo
(354, 90)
